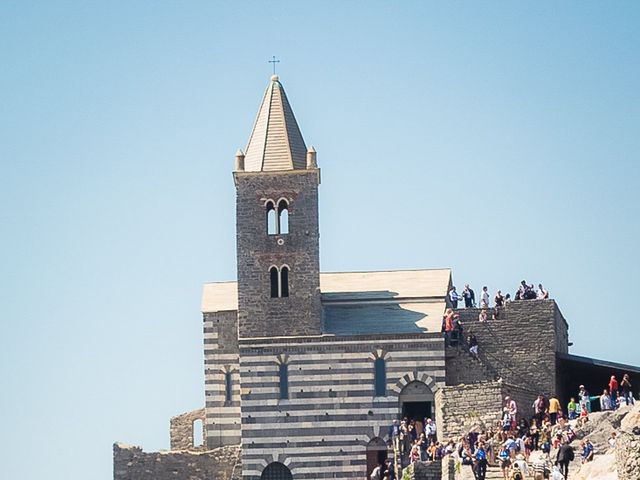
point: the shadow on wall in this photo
(342, 318)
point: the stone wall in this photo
(181, 430)
(300, 313)
(131, 463)
(465, 407)
(427, 471)
(520, 345)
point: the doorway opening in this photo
(376, 454)
(417, 403)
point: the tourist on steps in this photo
(564, 458)
(480, 462)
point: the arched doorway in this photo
(276, 471)
(376, 454)
(417, 403)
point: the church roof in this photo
(401, 301)
(276, 142)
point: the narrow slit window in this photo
(284, 282)
(274, 275)
(283, 217)
(228, 385)
(284, 381)
(380, 377)
(272, 219)
(198, 439)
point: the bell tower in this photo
(277, 230)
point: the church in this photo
(305, 370)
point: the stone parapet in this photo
(477, 406)
(131, 463)
(427, 471)
(181, 430)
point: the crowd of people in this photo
(538, 447)
(525, 291)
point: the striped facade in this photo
(323, 428)
(221, 357)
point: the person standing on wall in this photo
(625, 386)
(469, 297)
(484, 302)
(454, 298)
(613, 391)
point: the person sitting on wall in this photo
(587, 451)
(482, 316)
(542, 293)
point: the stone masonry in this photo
(300, 313)
(477, 406)
(182, 430)
(461, 408)
(221, 357)
(131, 463)
(518, 345)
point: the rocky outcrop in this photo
(628, 446)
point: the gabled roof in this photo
(403, 301)
(276, 142)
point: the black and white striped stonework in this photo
(221, 358)
(323, 428)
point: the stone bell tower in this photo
(277, 226)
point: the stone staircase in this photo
(464, 368)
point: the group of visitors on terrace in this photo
(537, 447)
(452, 327)
(525, 291)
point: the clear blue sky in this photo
(497, 138)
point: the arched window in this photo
(284, 381)
(198, 437)
(228, 386)
(380, 377)
(274, 275)
(283, 217)
(279, 279)
(272, 218)
(284, 282)
(276, 471)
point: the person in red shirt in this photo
(613, 391)
(448, 318)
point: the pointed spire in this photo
(276, 142)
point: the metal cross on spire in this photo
(274, 61)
